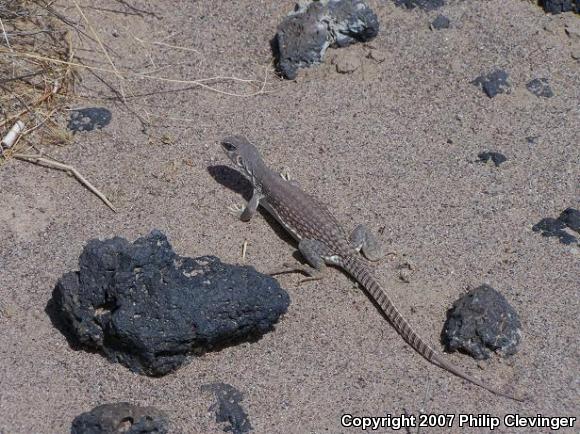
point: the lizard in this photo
(323, 241)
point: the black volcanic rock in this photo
(441, 22)
(304, 35)
(89, 119)
(571, 218)
(493, 83)
(540, 88)
(551, 227)
(146, 307)
(427, 5)
(495, 157)
(559, 6)
(121, 418)
(480, 322)
(228, 409)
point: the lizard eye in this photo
(228, 146)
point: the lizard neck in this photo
(258, 173)
(264, 178)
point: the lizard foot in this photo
(240, 211)
(312, 273)
(285, 174)
(368, 244)
(236, 208)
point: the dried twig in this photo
(5, 35)
(21, 77)
(244, 249)
(103, 49)
(37, 159)
(199, 82)
(31, 88)
(163, 44)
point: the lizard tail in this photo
(362, 273)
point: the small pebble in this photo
(119, 418)
(540, 88)
(494, 83)
(228, 409)
(89, 119)
(496, 157)
(559, 6)
(406, 271)
(551, 227)
(427, 5)
(532, 140)
(571, 218)
(441, 22)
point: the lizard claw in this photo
(312, 273)
(285, 174)
(236, 209)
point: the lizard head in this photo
(242, 153)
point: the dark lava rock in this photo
(554, 228)
(496, 157)
(88, 119)
(228, 409)
(305, 34)
(532, 140)
(301, 40)
(493, 83)
(146, 307)
(540, 88)
(480, 322)
(571, 218)
(559, 6)
(351, 21)
(441, 22)
(551, 227)
(427, 5)
(119, 418)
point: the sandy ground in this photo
(392, 145)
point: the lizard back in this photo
(303, 215)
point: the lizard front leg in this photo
(365, 242)
(246, 213)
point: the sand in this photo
(393, 144)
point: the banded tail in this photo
(363, 275)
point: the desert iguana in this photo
(322, 241)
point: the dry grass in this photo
(33, 90)
(38, 70)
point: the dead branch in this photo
(37, 159)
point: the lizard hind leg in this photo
(314, 252)
(365, 242)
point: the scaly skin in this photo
(322, 241)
